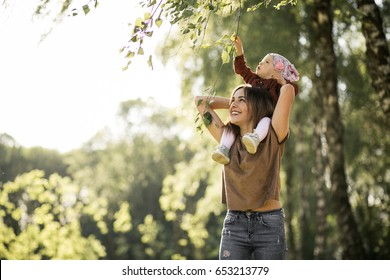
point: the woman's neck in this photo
(245, 129)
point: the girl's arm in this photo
(240, 67)
(280, 119)
(206, 106)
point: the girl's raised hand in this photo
(238, 45)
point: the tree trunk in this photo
(320, 171)
(377, 50)
(326, 84)
(289, 163)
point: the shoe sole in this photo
(220, 159)
(249, 145)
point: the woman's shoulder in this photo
(274, 136)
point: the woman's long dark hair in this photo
(259, 104)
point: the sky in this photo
(59, 92)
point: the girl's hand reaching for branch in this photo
(238, 45)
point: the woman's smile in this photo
(235, 112)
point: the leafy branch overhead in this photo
(45, 7)
(192, 17)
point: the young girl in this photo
(272, 66)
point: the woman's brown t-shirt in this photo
(249, 180)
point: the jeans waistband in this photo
(255, 213)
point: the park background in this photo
(143, 185)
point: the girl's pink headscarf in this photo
(289, 72)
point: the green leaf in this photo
(254, 7)
(151, 3)
(138, 22)
(130, 54)
(229, 49)
(225, 57)
(86, 9)
(150, 62)
(147, 16)
(206, 46)
(159, 22)
(141, 51)
(191, 25)
(187, 13)
(222, 39)
(124, 68)
(74, 12)
(134, 38)
(185, 31)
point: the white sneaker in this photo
(251, 141)
(221, 155)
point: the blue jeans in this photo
(256, 235)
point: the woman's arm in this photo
(206, 106)
(280, 119)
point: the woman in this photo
(254, 223)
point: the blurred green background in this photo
(154, 193)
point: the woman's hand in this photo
(206, 106)
(277, 75)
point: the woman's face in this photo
(265, 68)
(238, 110)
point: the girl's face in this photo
(265, 68)
(238, 110)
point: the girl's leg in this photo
(221, 154)
(252, 140)
(262, 128)
(227, 139)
